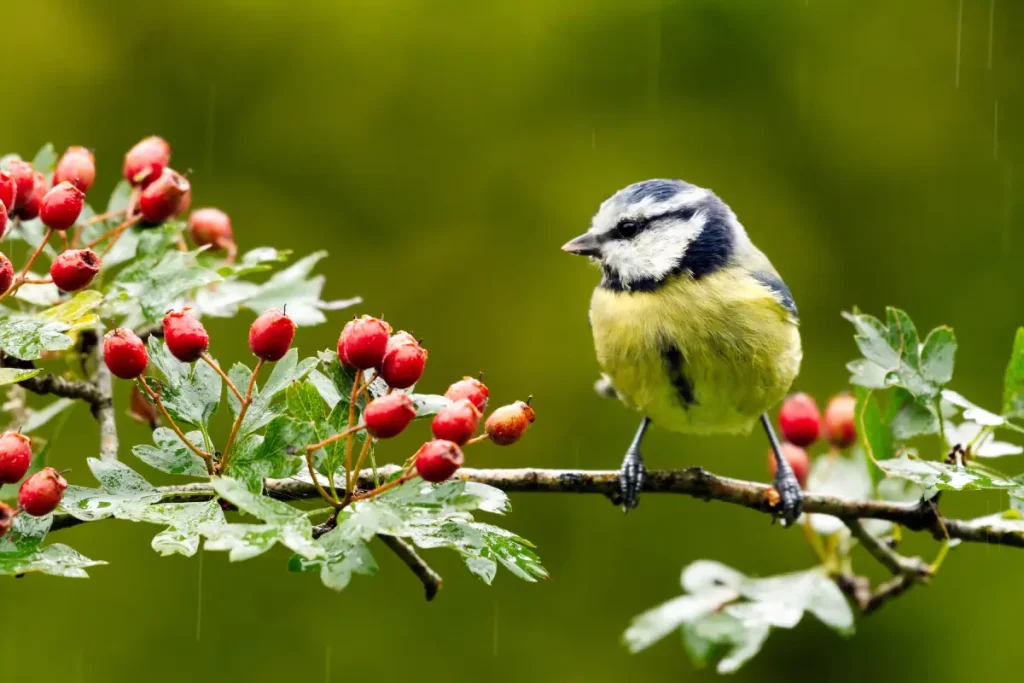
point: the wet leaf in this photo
(283, 524)
(298, 290)
(1013, 383)
(278, 454)
(27, 338)
(170, 455)
(183, 521)
(14, 375)
(932, 475)
(190, 392)
(124, 494)
(153, 283)
(343, 557)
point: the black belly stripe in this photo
(675, 366)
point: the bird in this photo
(693, 327)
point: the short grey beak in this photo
(584, 245)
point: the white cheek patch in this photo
(653, 253)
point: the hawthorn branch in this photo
(695, 482)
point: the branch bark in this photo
(52, 384)
(103, 409)
(695, 482)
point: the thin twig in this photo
(103, 409)
(54, 384)
(354, 396)
(431, 579)
(241, 416)
(886, 556)
(103, 217)
(223, 375)
(118, 232)
(155, 397)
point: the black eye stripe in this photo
(628, 228)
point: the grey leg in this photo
(792, 499)
(631, 475)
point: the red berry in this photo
(800, 420)
(797, 459)
(6, 273)
(78, 167)
(30, 209)
(61, 206)
(457, 422)
(840, 425)
(8, 190)
(159, 200)
(507, 424)
(6, 519)
(41, 493)
(185, 336)
(471, 388)
(124, 353)
(403, 361)
(74, 269)
(437, 460)
(146, 160)
(3, 220)
(388, 415)
(271, 335)
(210, 226)
(24, 179)
(363, 342)
(15, 457)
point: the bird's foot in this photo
(631, 479)
(791, 498)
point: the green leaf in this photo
(170, 454)
(752, 607)
(28, 338)
(938, 354)
(838, 475)
(15, 375)
(981, 445)
(262, 410)
(295, 288)
(872, 432)
(254, 261)
(124, 494)
(972, 412)
(907, 418)
(932, 475)
(56, 559)
(428, 404)
(283, 524)
(325, 387)
(482, 546)
(183, 521)
(343, 557)
(191, 393)
(152, 283)
(893, 355)
(45, 160)
(278, 454)
(1013, 384)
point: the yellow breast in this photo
(705, 356)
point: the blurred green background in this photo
(443, 151)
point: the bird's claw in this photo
(631, 479)
(791, 498)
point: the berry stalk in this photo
(223, 375)
(20, 280)
(155, 397)
(241, 416)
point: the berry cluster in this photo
(398, 359)
(38, 495)
(159, 194)
(366, 346)
(802, 425)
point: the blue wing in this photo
(779, 288)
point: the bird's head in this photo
(650, 231)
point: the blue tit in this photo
(692, 325)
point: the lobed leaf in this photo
(28, 337)
(170, 454)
